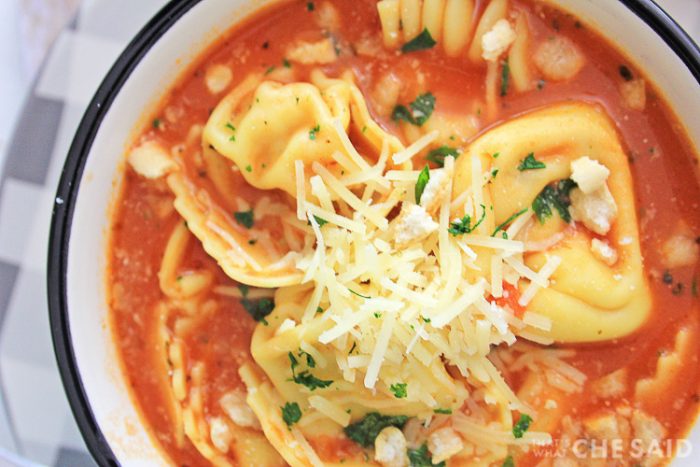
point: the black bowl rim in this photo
(68, 187)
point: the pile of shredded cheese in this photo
(409, 302)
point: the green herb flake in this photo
(464, 225)
(269, 70)
(366, 430)
(310, 6)
(291, 413)
(285, 63)
(437, 156)
(521, 426)
(249, 168)
(305, 378)
(310, 362)
(320, 221)
(554, 196)
(422, 182)
(421, 457)
(252, 241)
(258, 309)
(314, 131)
(156, 123)
(443, 411)
(505, 77)
(244, 218)
(667, 277)
(377, 314)
(319, 310)
(508, 462)
(495, 155)
(358, 294)
(244, 289)
(530, 163)
(422, 41)
(494, 172)
(400, 390)
(626, 73)
(508, 221)
(420, 110)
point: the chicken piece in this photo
(497, 40)
(218, 78)
(390, 448)
(611, 385)
(679, 250)
(313, 53)
(220, 434)
(597, 210)
(444, 443)
(558, 59)
(235, 406)
(633, 93)
(151, 160)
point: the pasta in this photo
(380, 233)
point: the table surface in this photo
(36, 426)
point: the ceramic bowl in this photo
(86, 353)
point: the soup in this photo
(439, 232)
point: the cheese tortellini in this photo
(587, 299)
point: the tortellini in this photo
(587, 299)
(265, 129)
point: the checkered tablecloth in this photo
(36, 426)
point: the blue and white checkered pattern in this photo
(36, 426)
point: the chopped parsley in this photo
(366, 430)
(508, 221)
(319, 310)
(305, 378)
(358, 294)
(244, 289)
(420, 110)
(464, 225)
(156, 123)
(400, 390)
(554, 196)
(244, 218)
(319, 220)
(521, 426)
(229, 126)
(258, 309)
(291, 413)
(269, 70)
(530, 163)
(421, 457)
(310, 362)
(285, 63)
(508, 462)
(421, 182)
(505, 77)
(314, 131)
(667, 277)
(443, 411)
(422, 41)
(310, 6)
(438, 155)
(625, 73)
(248, 168)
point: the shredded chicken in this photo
(558, 59)
(390, 448)
(597, 210)
(444, 443)
(312, 53)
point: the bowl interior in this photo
(87, 356)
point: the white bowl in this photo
(84, 347)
